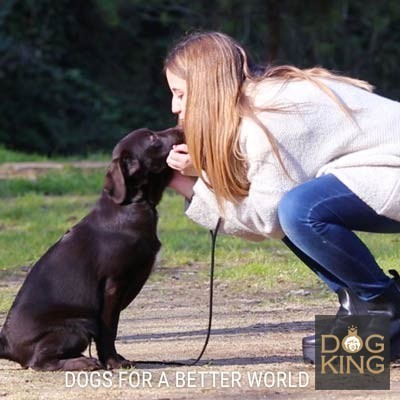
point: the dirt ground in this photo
(252, 336)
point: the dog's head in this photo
(139, 165)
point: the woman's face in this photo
(179, 94)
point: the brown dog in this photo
(76, 291)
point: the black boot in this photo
(389, 304)
(350, 304)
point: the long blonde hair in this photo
(216, 69)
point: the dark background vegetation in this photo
(76, 75)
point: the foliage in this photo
(76, 75)
(50, 103)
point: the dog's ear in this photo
(114, 182)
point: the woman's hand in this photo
(179, 159)
(184, 176)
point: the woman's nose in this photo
(175, 107)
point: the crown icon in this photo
(352, 343)
(352, 330)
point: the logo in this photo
(352, 343)
(352, 352)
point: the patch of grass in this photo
(7, 296)
(8, 156)
(385, 248)
(265, 264)
(31, 222)
(67, 181)
(32, 218)
(268, 263)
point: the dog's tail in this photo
(3, 346)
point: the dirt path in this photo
(251, 335)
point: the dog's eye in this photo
(155, 142)
(154, 138)
(127, 161)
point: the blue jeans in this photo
(318, 218)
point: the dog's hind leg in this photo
(81, 363)
(62, 351)
(3, 346)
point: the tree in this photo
(77, 75)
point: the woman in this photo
(305, 156)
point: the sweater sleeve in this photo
(255, 217)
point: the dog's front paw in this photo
(117, 362)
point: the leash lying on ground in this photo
(214, 234)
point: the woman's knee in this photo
(293, 210)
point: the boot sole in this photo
(395, 349)
(308, 353)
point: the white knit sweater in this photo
(315, 137)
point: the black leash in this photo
(214, 234)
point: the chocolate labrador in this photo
(77, 289)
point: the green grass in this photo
(8, 156)
(34, 215)
(30, 224)
(67, 181)
(185, 243)
(7, 296)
